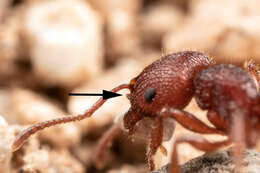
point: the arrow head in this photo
(109, 94)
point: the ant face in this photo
(167, 82)
(142, 129)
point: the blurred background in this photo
(49, 48)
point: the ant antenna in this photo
(25, 134)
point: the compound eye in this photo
(149, 95)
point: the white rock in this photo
(7, 136)
(227, 30)
(65, 39)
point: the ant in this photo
(164, 88)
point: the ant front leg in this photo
(155, 142)
(197, 142)
(104, 144)
(130, 119)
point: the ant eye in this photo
(149, 95)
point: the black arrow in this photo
(105, 95)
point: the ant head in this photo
(166, 82)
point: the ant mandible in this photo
(165, 87)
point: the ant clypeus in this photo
(166, 86)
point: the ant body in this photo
(166, 86)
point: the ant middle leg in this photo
(190, 122)
(197, 142)
(238, 137)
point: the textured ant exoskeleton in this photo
(165, 87)
(231, 97)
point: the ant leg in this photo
(197, 142)
(155, 142)
(190, 122)
(25, 134)
(217, 120)
(104, 144)
(238, 137)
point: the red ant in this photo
(165, 87)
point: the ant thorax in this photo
(143, 128)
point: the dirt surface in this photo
(218, 162)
